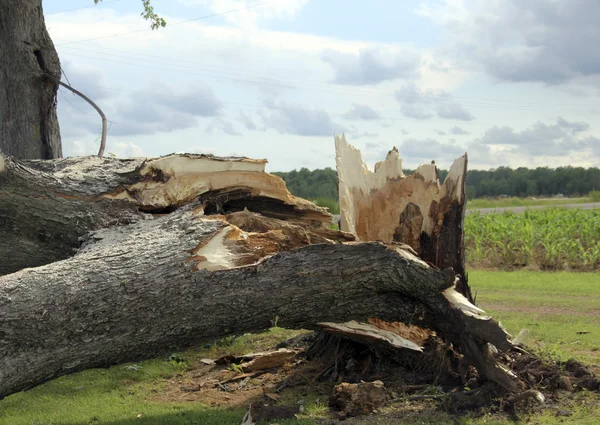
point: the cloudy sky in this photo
(511, 82)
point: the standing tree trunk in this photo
(28, 122)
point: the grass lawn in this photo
(552, 306)
(334, 207)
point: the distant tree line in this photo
(312, 185)
(541, 181)
(502, 181)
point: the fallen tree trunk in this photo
(157, 255)
(47, 208)
(141, 290)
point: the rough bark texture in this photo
(48, 207)
(138, 291)
(28, 122)
(169, 253)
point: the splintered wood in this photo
(385, 205)
(415, 211)
(366, 332)
(51, 206)
(187, 248)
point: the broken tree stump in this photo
(385, 205)
(418, 211)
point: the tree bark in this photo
(28, 123)
(140, 290)
(134, 258)
(47, 208)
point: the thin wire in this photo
(85, 7)
(170, 25)
(468, 102)
(74, 107)
(255, 106)
(83, 112)
(290, 83)
(67, 78)
(245, 80)
(95, 141)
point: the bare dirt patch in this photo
(541, 309)
(201, 385)
(416, 389)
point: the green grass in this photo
(116, 396)
(552, 306)
(331, 204)
(113, 396)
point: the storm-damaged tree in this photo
(29, 79)
(107, 261)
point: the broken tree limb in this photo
(47, 208)
(253, 362)
(140, 290)
(96, 107)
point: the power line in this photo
(62, 71)
(290, 83)
(248, 81)
(255, 106)
(74, 107)
(472, 102)
(240, 76)
(84, 7)
(213, 15)
(83, 112)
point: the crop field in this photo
(546, 239)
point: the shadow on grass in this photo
(187, 417)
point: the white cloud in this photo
(249, 14)
(223, 125)
(420, 104)
(552, 42)
(126, 150)
(561, 139)
(362, 112)
(372, 65)
(81, 147)
(458, 131)
(425, 150)
(249, 122)
(203, 150)
(245, 67)
(453, 111)
(143, 112)
(289, 118)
